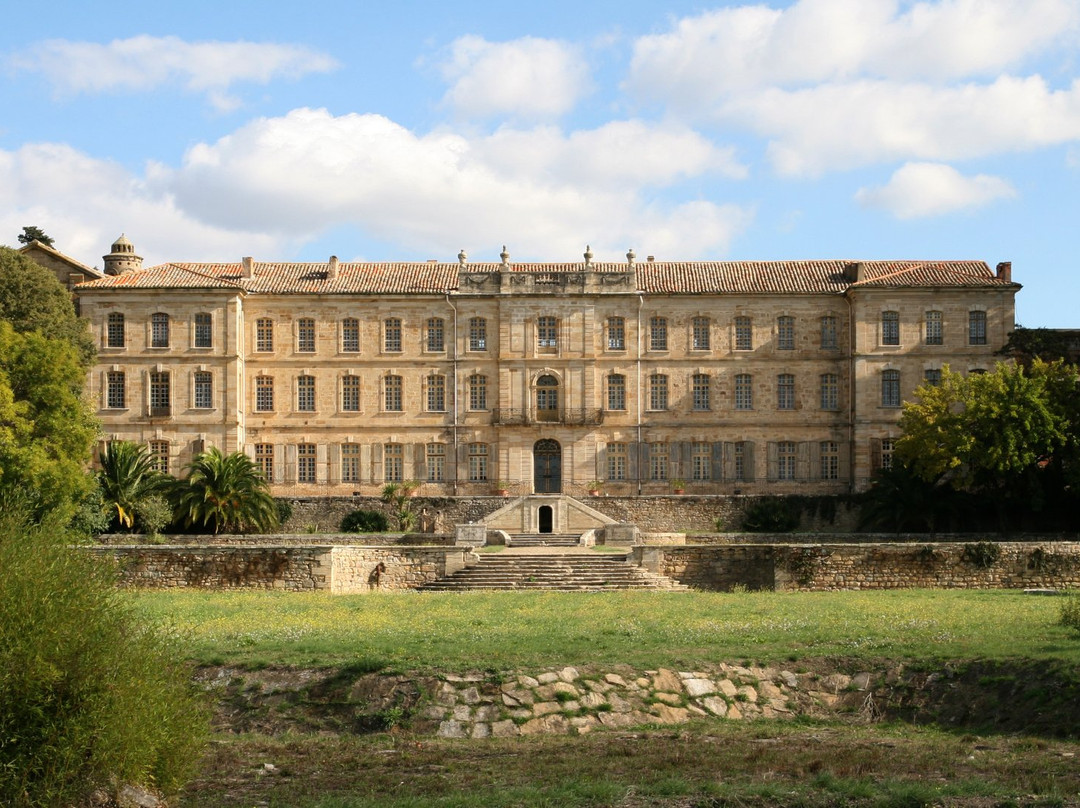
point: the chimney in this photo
(332, 268)
(855, 271)
(247, 267)
(1004, 271)
(651, 258)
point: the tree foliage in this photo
(31, 233)
(226, 492)
(130, 482)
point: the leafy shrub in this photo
(361, 521)
(153, 514)
(284, 510)
(982, 554)
(1070, 612)
(772, 515)
(91, 696)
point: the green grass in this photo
(411, 631)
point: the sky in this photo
(406, 131)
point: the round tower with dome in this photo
(122, 258)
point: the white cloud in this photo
(528, 78)
(143, 63)
(918, 190)
(310, 171)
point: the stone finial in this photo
(630, 257)
(462, 258)
(505, 256)
(588, 255)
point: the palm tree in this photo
(226, 492)
(128, 479)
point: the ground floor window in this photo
(830, 460)
(436, 462)
(393, 463)
(616, 461)
(658, 461)
(478, 462)
(350, 463)
(305, 463)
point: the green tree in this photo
(31, 234)
(32, 299)
(399, 497)
(130, 482)
(226, 492)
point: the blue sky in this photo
(857, 129)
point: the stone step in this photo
(544, 540)
(568, 572)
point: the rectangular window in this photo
(436, 393)
(616, 392)
(785, 391)
(890, 388)
(616, 334)
(477, 334)
(701, 461)
(744, 391)
(828, 333)
(305, 393)
(264, 394)
(932, 377)
(436, 462)
(436, 335)
(744, 334)
(477, 392)
(888, 446)
(350, 393)
(159, 455)
(890, 328)
(830, 391)
(658, 334)
(159, 330)
(264, 460)
(785, 333)
(204, 390)
(159, 394)
(393, 463)
(350, 462)
(700, 334)
(546, 333)
(204, 331)
(976, 328)
(658, 461)
(700, 392)
(264, 334)
(785, 460)
(114, 331)
(658, 392)
(392, 401)
(616, 461)
(830, 460)
(115, 390)
(305, 463)
(934, 334)
(305, 335)
(392, 335)
(478, 462)
(350, 335)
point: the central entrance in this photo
(547, 467)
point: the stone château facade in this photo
(737, 377)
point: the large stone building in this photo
(746, 377)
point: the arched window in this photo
(547, 398)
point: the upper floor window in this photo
(114, 330)
(350, 393)
(204, 331)
(785, 333)
(934, 333)
(828, 333)
(264, 334)
(658, 334)
(890, 388)
(932, 376)
(350, 335)
(477, 334)
(477, 392)
(830, 391)
(744, 334)
(890, 328)
(744, 391)
(305, 393)
(204, 390)
(785, 391)
(115, 390)
(700, 392)
(616, 334)
(436, 393)
(392, 389)
(546, 333)
(976, 328)
(393, 462)
(305, 335)
(700, 337)
(159, 330)
(159, 455)
(160, 395)
(392, 335)
(616, 392)
(658, 392)
(435, 335)
(264, 394)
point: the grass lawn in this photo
(506, 630)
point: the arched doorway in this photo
(545, 518)
(547, 398)
(547, 467)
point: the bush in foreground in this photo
(361, 521)
(90, 695)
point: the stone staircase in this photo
(544, 539)
(563, 571)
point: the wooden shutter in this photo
(772, 468)
(717, 470)
(749, 462)
(802, 460)
(601, 461)
(815, 460)
(376, 463)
